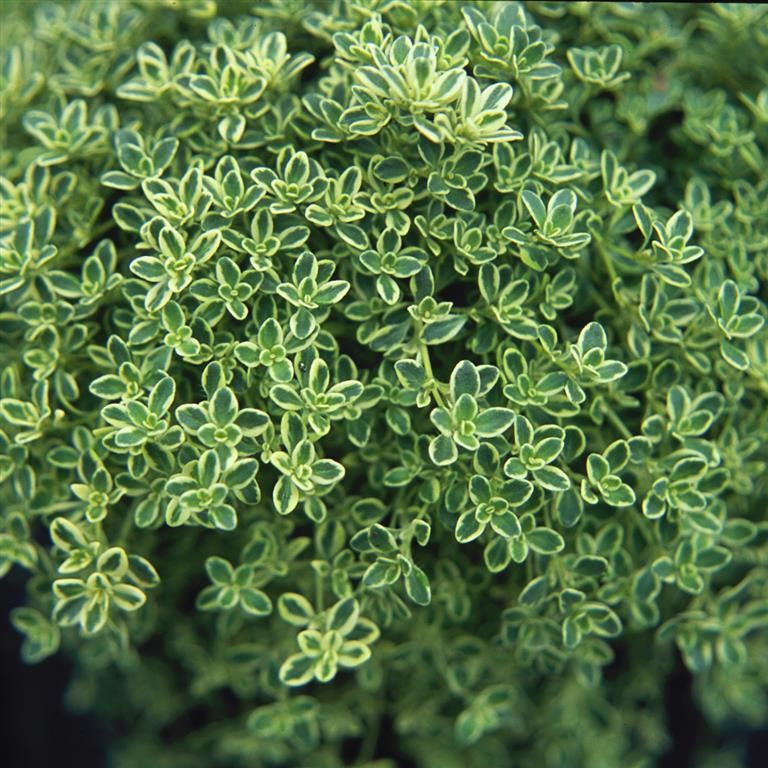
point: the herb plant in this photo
(385, 383)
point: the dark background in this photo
(35, 729)
(37, 732)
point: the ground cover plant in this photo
(385, 383)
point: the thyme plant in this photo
(385, 382)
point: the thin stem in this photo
(427, 363)
(319, 596)
(616, 421)
(371, 738)
(608, 263)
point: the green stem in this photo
(427, 363)
(614, 278)
(704, 299)
(368, 747)
(616, 421)
(125, 527)
(319, 596)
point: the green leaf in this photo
(591, 337)
(219, 571)
(444, 330)
(286, 398)
(493, 421)
(127, 597)
(380, 573)
(569, 508)
(285, 496)
(442, 450)
(545, 541)
(468, 528)
(470, 725)
(191, 417)
(506, 524)
(464, 380)
(223, 517)
(535, 207)
(382, 538)
(42, 637)
(252, 422)
(297, 670)
(107, 387)
(223, 407)
(142, 572)
(353, 235)
(332, 292)
(343, 616)
(94, 617)
(161, 396)
(734, 356)
(113, 562)
(728, 299)
(551, 478)
(66, 535)
(622, 496)
(295, 609)
(713, 559)
(591, 565)
(673, 275)
(255, 602)
(241, 473)
(353, 653)
(548, 449)
(417, 586)
(497, 555)
(327, 472)
(410, 373)
(597, 468)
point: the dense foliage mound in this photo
(385, 383)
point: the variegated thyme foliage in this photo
(385, 382)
